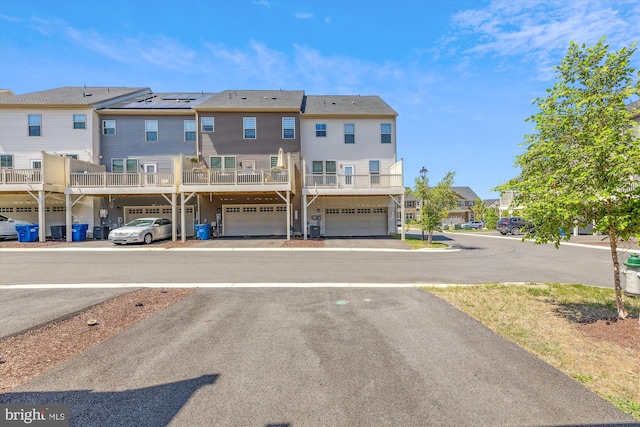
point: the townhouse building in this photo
(352, 177)
(40, 134)
(141, 142)
(250, 162)
(247, 166)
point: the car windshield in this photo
(140, 223)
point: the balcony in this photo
(124, 182)
(20, 176)
(236, 180)
(373, 184)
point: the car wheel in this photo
(148, 238)
(515, 231)
(504, 233)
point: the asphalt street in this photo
(313, 357)
(276, 337)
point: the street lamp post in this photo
(423, 177)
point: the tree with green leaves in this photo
(479, 209)
(492, 218)
(582, 163)
(437, 201)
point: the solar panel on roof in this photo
(180, 97)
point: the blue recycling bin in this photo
(27, 232)
(79, 232)
(203, 231)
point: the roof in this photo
(347, 104)
(163, 101)
(465, 192)
(241, 100)
(71, 95)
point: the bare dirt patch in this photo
(625, 333)
(24, 356)
(299, 243)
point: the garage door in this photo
(356, 222)
(133, 212)
(254, 220)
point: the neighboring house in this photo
(507, 208)
(352, 179)
(492, 203)
(248, 162)
(40, 133)
(459, 214)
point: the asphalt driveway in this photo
(313, 357)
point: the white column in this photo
(41, 216)
(68, 217)
(174, 217)
(183, 219)
(304, 217)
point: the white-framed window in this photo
(324, 166)
(108, 127)
(349, 133)
(249, 127)
(124, 165)
(385, 133)
(189, 130)
(321, 130)
(288, 128)
(36, 164)
(79, 121)
(35, 124)
(151, 130)
(206, 124)
(73, 156)
(6, 160)
(273, 162)
(222, 163)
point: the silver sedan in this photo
(8, 227)
(141, 230)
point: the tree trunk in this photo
(430, 237)
(622, 313)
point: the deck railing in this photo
(20, 176)
(117, 179)
(352, 181)
(235, 177)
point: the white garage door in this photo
(254, 220)
(356, 222)
(133, 212)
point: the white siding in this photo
(57, 134)
(367, 144)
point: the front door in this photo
(348, 175)
(150, 170)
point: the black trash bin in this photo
(314, 232)
(58, 231)
(101, 232)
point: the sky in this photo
(462, 74)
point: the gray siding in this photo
(227, 139)
(129, 140)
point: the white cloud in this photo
(264, 3)
(304, 15)
(154, 49)
(540, 31)
(10, 18)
